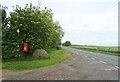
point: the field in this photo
(29, 63)
(101, 49)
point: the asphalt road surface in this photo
(104, 58)
(83, 66)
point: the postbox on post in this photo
(25, 47)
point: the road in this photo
(79, 67)
(104, 58)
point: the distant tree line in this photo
(31, 25)
(67, 43)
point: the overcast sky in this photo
(90, 22)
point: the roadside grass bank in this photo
(29, 63)
(100, 49)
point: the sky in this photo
(85, 22)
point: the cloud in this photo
(67, 1)
(84, 21)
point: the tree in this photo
(31, 25)
(3, 15)
(67, 43)
(56, 41)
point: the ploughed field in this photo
(100, 49)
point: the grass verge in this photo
(29, 63)
(99, 51)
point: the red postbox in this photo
(25, 47)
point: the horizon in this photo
(96, 45)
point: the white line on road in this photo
(93, 58)
(111, 68)
(114, 68)
(117, 67)
(103, 62)
(108, 69)
(86, 56)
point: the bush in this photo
(31, 25)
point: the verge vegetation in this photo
(29, 63)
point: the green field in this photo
(29, 63)
(100, 49)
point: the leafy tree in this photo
(31, 25)
(56, 41)
(3, 23)
(3, 15)
(67, 43)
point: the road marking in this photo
(117, 67)
(103, 62)
(114, 68)
(93, 58)
(86, 56)
(111, 69)
(107, 69)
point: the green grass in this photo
(29, 63)
(100, 49)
